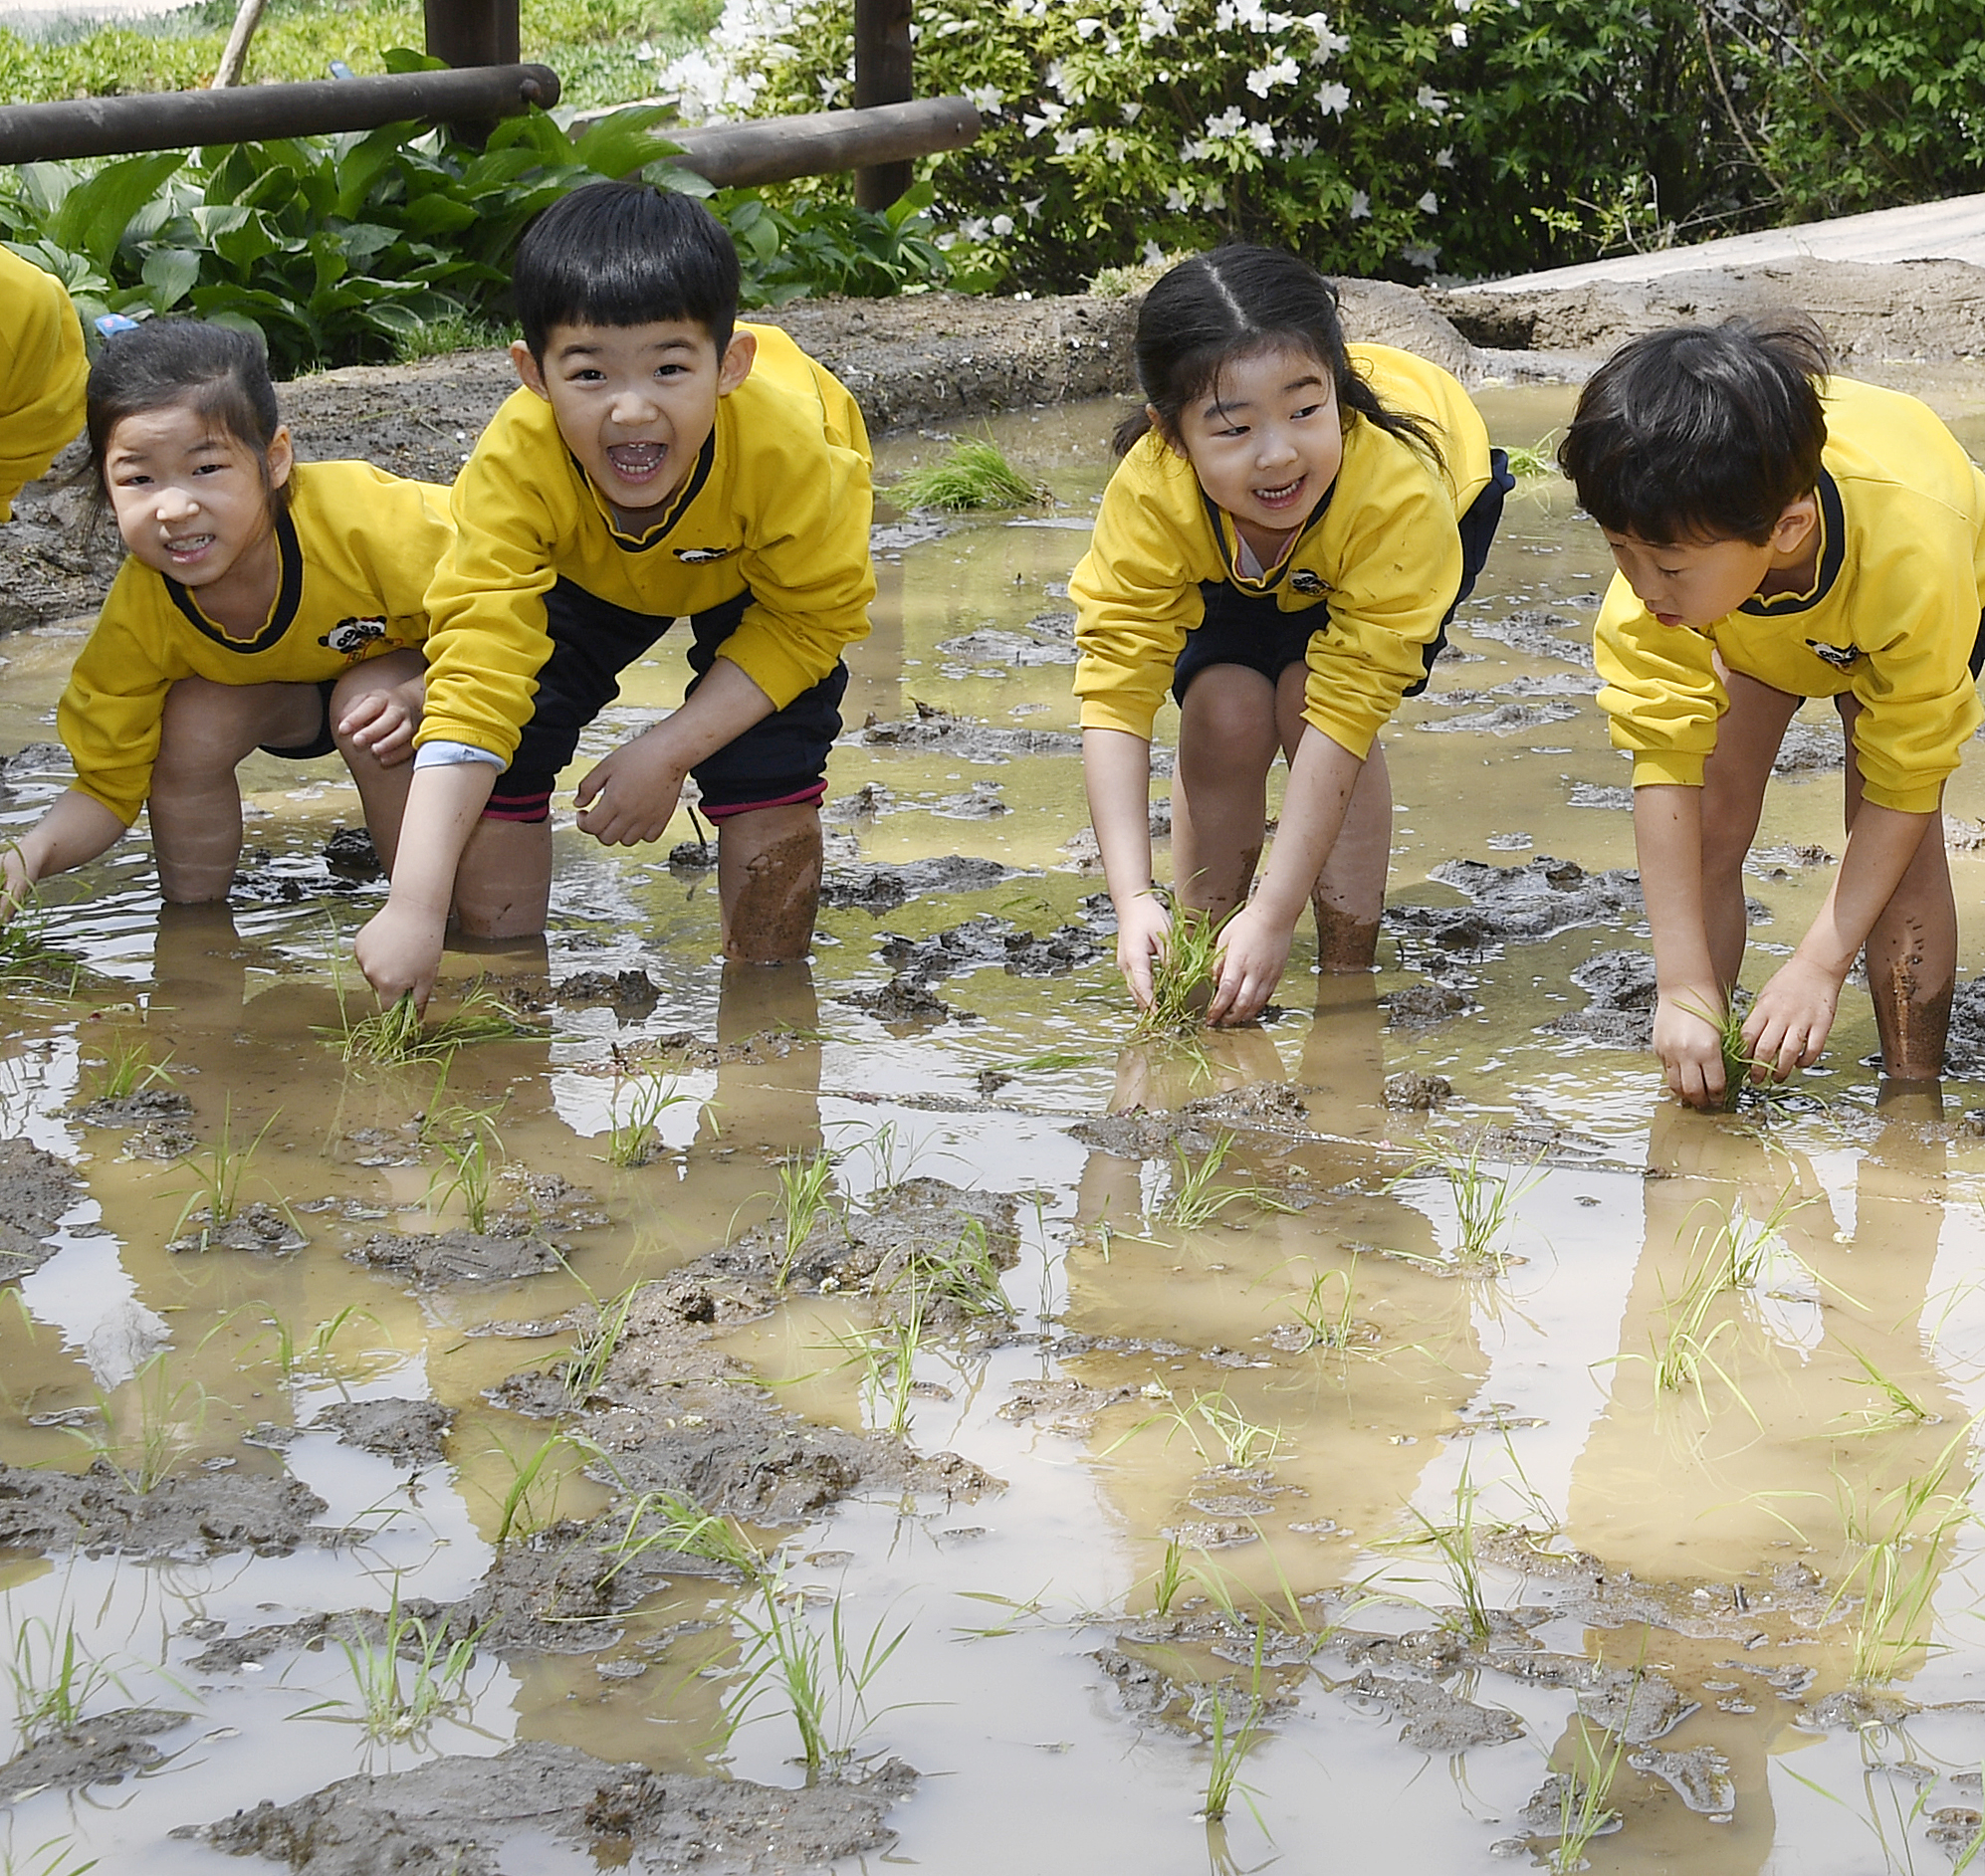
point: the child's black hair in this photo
(624, 254)
(1701, 433)
(221, 372)
(1235, 302)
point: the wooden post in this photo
(883, 76)
(472, 32)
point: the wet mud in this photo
(36, 1189)
(463, 1816)
(936, 731)
(883, 887)
(104, 1751)
(1521, 905)
(409, 1433)
(204, 1515)
(434, 1260)
(1622, 993)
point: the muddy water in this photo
(1747, 1550)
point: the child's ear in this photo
(1172, 443)
(1793, 531)
(281, 457)
(530, 374)
(736, 364)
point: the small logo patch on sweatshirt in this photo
(1309, 584)
(702, 556)
(352, 635)
(1841, 656)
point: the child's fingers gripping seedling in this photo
(1144, 935)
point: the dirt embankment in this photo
(949, 359)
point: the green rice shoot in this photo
(396, 1036)
(1533, 461)
(1182, 980)
(973, 474)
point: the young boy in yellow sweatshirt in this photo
(1783, 533)
(659, 461)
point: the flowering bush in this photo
(1120, 129)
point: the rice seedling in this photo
(887, 1358)
(127, 1066)
(633, 1138)
(1323, 1313)
(802, 1199)
(973, 474)
(1195, 1200)
(168, 1419)
(467, 1172)
(522, 1510)
(1170, 1577)
(1584, 1812)
(1229, 1743)
(217, 1176)
(1454, 1547)
(1182, 978)
(1902, 1408)
(395, 1036)
(412, 1676)
(1484, 1202)
(1528, 462)
(317, 1356)
(28, 961)
(52, 1677)
(1236, 1440)
(1899, 1536)
(888, 1156)
(966, 1274)
(598, 1340)
(51, 1858)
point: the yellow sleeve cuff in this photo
(1118, 713)
(1672, 768)
(1917, 800)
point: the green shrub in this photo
(349, 249)
(1391, 136)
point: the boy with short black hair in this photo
(1783, 533)
(658, 462)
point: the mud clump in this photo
(1275, 1107)
(1418, 1094)
(104, 1751)
(1436, 1719)
(434, 1261)
(1623, 990)
(904, 1001)
(1537, 632)
(883, 888)
(1810, 749)
(260, 1227)
(1517, 905)
(1425, 1006)
(991, 940)
(1700, 1777)
(36, 1189)
(204, 1515)
(1586, 794)
(146, 1107)
(939, 732)
(1047, 640)
(409, 1433)
(625, 992)
(456, 1816)
(1505, 720)
(349, 852)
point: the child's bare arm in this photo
(71, 834)
(400, 950)
(1255, 947)
(1116, 771)
(629, 798)
(1667, 836)
(1788, 1025)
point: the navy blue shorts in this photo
(323, 743)
(779, 761)
(1251, 629)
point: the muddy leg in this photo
(1220, 791)
(1912, 951)
(382, 786)
(503, 887)
(195, 805)
(768, 884)
(1350, 895)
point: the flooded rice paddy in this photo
(1395, 1411)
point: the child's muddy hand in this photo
(631, 796)
(381, 723)
(1789, 1024)
(17, 884)
(1691, 1046)
(400, 952)
(1142, 928)
(1253, 951)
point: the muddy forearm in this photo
(71, 834)
(1321, 780)
(1879, 852)
(1116, 773)
(1668, 838)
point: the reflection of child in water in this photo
(266, 603)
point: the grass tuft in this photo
(398, 1035)
(1182, 978)
(973, 474)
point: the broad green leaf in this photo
(94, 214)
(624, 142)
(171, 274)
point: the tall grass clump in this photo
(803, 1199)
(1485, 1201)
(52, 1677)
(1182, 978)
(973, 474)
(217, 1176)
(410, 1677)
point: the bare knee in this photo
(503, 887)
(1228, 726)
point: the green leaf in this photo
(94, 214)
(621, 145)
(171, 274)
